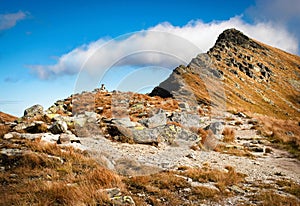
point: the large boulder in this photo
(58, 127)
(217, 128)
(33, 111)
(170, 134)
(186, 119)
(86, 124)
(156, 120)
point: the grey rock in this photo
(23, 126)
(123, 122)
(247, 144)
(99, 109)
(123, 200)
(10, 152)
(32, 127)
(58, 127)
(51, 138)
(34, 111)
(141, 135)
(79, 121)
(17, 135)
(184, 106)
(113, 192)
(28, 136)
(216, 127)
(236, 189)
(167, 133)
(186, 119)
(91, 116)
(86, 124)
(146, 136)
(156, 120)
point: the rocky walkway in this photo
(137, 158)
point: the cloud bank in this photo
(160, 45)
(8, 21)
(280, 11)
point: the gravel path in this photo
(273, 165)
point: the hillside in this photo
(6, 117)
(223, 130)
(255, 77)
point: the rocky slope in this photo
(254, 77)
(178, 146)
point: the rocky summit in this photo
(252, 75)
(222, 130)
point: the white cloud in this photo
(8, 21)
(163, 45)
(282, 11)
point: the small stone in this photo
(257, 149)
(8, 136)
(63, 139)
(268, 150)
(99, 109)
(236, 189)
(246, 144)
(240, 114)
(188, 190)
(289, 133)
(191, 156)
(113, 192)
(184, 106)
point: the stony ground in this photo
(159, 142)
(266, 164)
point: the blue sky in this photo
(44, 45)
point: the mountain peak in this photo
(233, 37)
(254, 76)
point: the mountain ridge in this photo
(256, 76)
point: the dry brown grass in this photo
(221, 178)
(4, 129)
(49, 175)
(6, 117)
(289, 187)
(271, 198)
(203, 134)
(233, 151)
(284, 134)
(166, 188)
(229, 134)
(161, 188)
(174, 123)
(279, 192)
